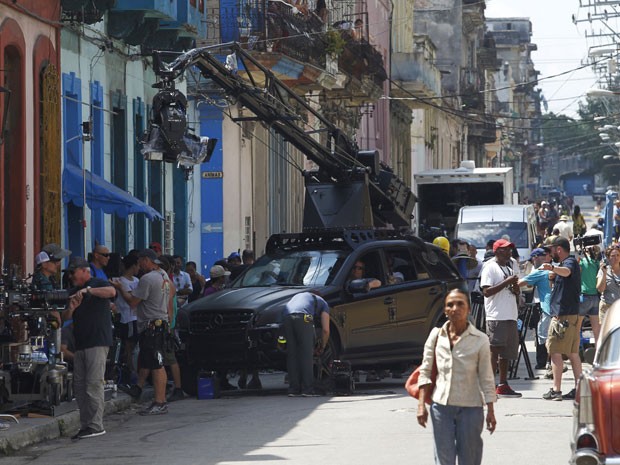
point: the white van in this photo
(477, 225)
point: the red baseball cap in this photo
(156, 246)
(500, 243)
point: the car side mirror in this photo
(357, 286)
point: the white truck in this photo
(442, 193)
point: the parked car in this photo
(596, 414)
(384, 327)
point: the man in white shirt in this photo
(498, 282)
(182, 281)
(565, 229)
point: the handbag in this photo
(412, 386)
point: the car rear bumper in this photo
(591, 457)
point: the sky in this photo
(562, 46)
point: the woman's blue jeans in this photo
(457, 431)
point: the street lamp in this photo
(598, 93)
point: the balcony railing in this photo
(275, 26)
(278, 26)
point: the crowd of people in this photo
(567, 284)
(135, 299)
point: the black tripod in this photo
(525, 315)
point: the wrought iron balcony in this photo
(158, 24)
(415, 73)
(482, 127)
(85, 11)
(295, 43)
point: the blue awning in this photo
(101, 194)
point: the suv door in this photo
(368, 320)
(418, 295)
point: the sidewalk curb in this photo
(30, 431)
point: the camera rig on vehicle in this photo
(351, 188)
(33, 374)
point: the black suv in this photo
(381, 327)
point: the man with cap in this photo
(156, 246)
(89, 308)
(234, 259)
(565, 230)
(47, 267)
(247, 258)
(563, 337)
(218, 275)
(499, 284)
(152, 299)
(539, 279)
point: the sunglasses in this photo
(359, 267)
(106, 255)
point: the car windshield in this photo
(608, 355)
(294, 268)
(479, 234)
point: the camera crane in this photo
(351, 188)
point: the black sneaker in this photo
(76, 436)
(552, 395)
(89, 433)
(570, 395)
(135, 391)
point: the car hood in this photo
(266, 302)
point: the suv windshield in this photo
(294, 268)
(479, 234)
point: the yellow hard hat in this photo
(443, 243)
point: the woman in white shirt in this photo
(465, 382)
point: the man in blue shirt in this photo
(539, 279)
(299, 316)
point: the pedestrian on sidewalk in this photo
(464, 383)
(563, 337)
(499, 284)
(89, 307)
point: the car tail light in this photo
(586, 441)
(586, 413)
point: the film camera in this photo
(583, 242)
(32, 371)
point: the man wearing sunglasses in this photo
(100, 259)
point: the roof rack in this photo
(338, 238)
